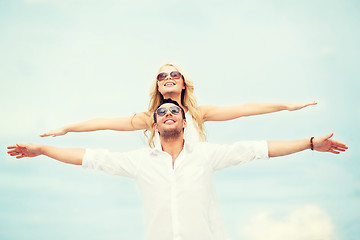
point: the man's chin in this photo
(171, 133)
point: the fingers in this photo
(310, 103)
(19, 155)
(12, 151)
(330, 135)
(341, 149)
(298, 106)
(333, 151)
(48, 135)
(16, 150)
(326, 144)
(338, 144)
(45, 135)
(326, 137)
(15, 153)
(337, 149)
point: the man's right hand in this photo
(24, 150)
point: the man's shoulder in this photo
(197, 146)
(139, 151)
(207, 145)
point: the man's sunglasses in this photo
(173, 109)
(173, 74)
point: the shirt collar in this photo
(157, 147)
(187, 147)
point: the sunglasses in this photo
(173, 74)
(173, 109)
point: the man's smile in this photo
(169, 121)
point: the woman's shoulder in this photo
(141, 120)
(203, 110)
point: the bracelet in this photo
(311, 144)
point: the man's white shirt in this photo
(180, 202)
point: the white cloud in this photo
(308, 222)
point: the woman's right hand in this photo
(55, 133)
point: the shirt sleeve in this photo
(222, 156)
(124, 164)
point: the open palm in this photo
(24, 150)
(326, 144)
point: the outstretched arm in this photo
(138, 121)
(321, 144)
(216, 113)
(66, 155)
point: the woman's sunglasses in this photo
(173, 74)
(173, 109)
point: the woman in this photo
(172, 82)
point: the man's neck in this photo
(172, 146)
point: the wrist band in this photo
(311, 144)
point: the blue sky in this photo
(73, 60)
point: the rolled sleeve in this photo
(223, 156)
(124, 164)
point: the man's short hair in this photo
(169, 100)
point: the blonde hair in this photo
(188, 100)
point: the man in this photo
(175, 178)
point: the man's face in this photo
(169, 121)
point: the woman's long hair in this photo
(188, 100)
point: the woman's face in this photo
(170, 85)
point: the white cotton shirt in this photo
(179, 202)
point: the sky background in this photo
(66, 61)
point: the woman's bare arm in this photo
(138, 121)
(218, 113)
